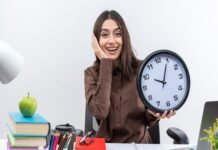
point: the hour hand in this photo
(163, 82)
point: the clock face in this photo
(163, 81)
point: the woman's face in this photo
(110, 39)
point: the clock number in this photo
(144, 87)
(158, 60)
(180, 88)
(149, 97)
(150, 66)
(175, 67)
(146, 76)
(175, 97)
(180, 76)
(167, 60)
(158, 103)
(168, 103)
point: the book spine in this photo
(48, 135)
(56, 138)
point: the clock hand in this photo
(163, 82)
(164, 78)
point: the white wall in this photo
(54, 36)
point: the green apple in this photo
(28, 106)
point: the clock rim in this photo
(140, 92)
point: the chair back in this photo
(90, 121)
(154, 132)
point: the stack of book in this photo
(27, 132)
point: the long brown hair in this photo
(128, 60)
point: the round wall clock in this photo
(163, 81)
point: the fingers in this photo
(94, 43)
(157, 115)
(172, 113)
(166, 114)
(97, 49)
(95, 46)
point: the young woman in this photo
(110, 85)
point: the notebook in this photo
(209, 116)
(97, 144)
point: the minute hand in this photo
(164, 78)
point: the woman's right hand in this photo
(166, 114)
(97, 49)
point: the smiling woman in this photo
(111, 39)
(110, 85)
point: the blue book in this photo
(36, 125)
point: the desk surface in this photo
(3, 144)
(132, 146)
(118, 146)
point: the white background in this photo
(54, 36)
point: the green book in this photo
(26, 141)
